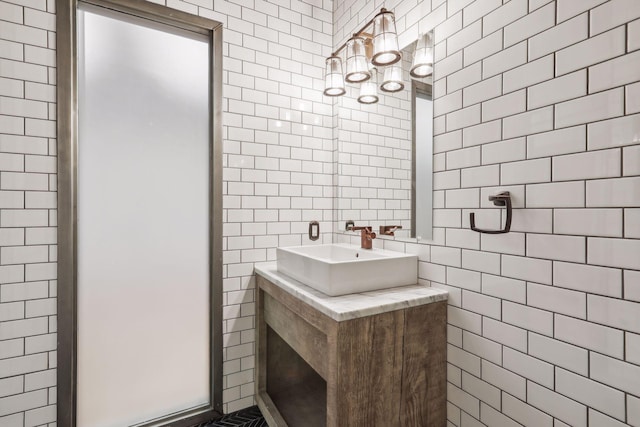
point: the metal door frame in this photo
(67, 149)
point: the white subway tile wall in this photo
(542, 92)
(279, 174)
(539, 98)
(374, 155)
(27, 213)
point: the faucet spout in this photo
(366, 236)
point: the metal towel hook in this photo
(501, 199)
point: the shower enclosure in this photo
(139, 215)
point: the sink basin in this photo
(339, 269)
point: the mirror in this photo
(422, 161)
(385, 157)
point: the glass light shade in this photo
(392, 80)
(385, 40)
(333, 80)
(357, 67)
(423, 57)
(368, 93)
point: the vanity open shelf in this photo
(376, 358)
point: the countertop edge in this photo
(335, 307)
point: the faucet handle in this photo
(389, 230)
(366, 236)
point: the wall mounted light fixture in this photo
(422, 64)
(367, 52)
(368, 93)
(385, 39)
(392, 79)
(357, 62)
(333, 80)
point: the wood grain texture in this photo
(368, 369)
(382, 370)
(261, 344)
(270, 410)
(297, 390)
(267, 407)
(424, 371)
(317, 319)
(307, 341)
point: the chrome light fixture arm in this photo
(361, 32)
(379, 48)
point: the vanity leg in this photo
(266, 405)
(424, 374)
(366, 389)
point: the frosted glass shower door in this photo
(143, 269)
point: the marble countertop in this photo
(353, 306)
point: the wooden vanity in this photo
(371, 359)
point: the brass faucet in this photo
(388, 230)
(366, 235)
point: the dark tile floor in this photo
(250, 417)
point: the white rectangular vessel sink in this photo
(339, 269)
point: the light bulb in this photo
(385, 39)
(392, 80)
(423, 57)
(357, 68)
(333, 80)
(368, 93)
